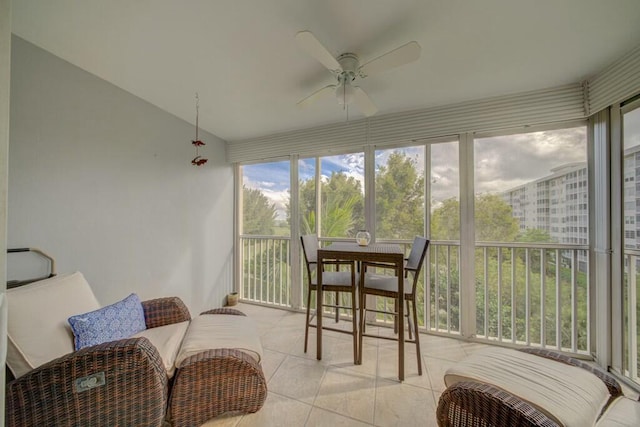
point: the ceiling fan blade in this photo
(364, 103)
(319, 94)
(395, 58)
(313, 47)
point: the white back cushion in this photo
(37, 329)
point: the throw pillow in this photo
(110, 323)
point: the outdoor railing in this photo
(533, 294)
(525, 293)
(266, 270)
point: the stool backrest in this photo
(310, 250)
(417, 255)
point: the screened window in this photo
(399, 193)
(631, 203)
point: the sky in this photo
(501, 162)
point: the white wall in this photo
(5, 67)
(102, 180)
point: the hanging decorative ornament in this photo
(198, 160)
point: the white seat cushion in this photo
(623, 412)
(214, 331)
(37, 328)
(167, 340)
(569, 395)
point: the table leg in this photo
(401, 322)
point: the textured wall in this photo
(102, 180)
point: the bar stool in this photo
(332, 281)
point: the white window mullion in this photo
(238, 249)
(426, 301)
(318, 188)
(370, 190)
(601, 196)
(617, 242)
(294, 247)
(467, 238)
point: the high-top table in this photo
(375, 252)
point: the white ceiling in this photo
(242, 59)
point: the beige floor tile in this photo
(278, 411)
(436, 368)
(349, 393)
(401, 404)
(265, 318)
(271, 362)
(388, 367)
(443, 348)
(436, 397)
(471, 347)
(322, 418)
(298, 378)
(223, 421)
(283, 341)
(335, 392)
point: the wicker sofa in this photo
(175, 372)
(532, 387)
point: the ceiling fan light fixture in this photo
(345, 93)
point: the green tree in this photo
(399, 198)
(445, 221)
(258, 215)
(494, 219)
(533, 235)
(342, 201)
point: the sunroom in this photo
(527, 190)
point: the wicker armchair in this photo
(116, 383)
(126, 382)
(473, 403)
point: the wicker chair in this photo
(126, 382)
(134, 387)
(473, 403)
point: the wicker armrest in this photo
(165, 311)
(214, 382)
(471, 404)
(117, 383)
(224, 310)
(609, 380)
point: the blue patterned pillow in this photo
(110, 323)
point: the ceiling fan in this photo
(347, 68)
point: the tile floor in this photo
(334, 392)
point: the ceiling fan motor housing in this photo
(350, 64)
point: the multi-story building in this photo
(557, 204)
(632, 197)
